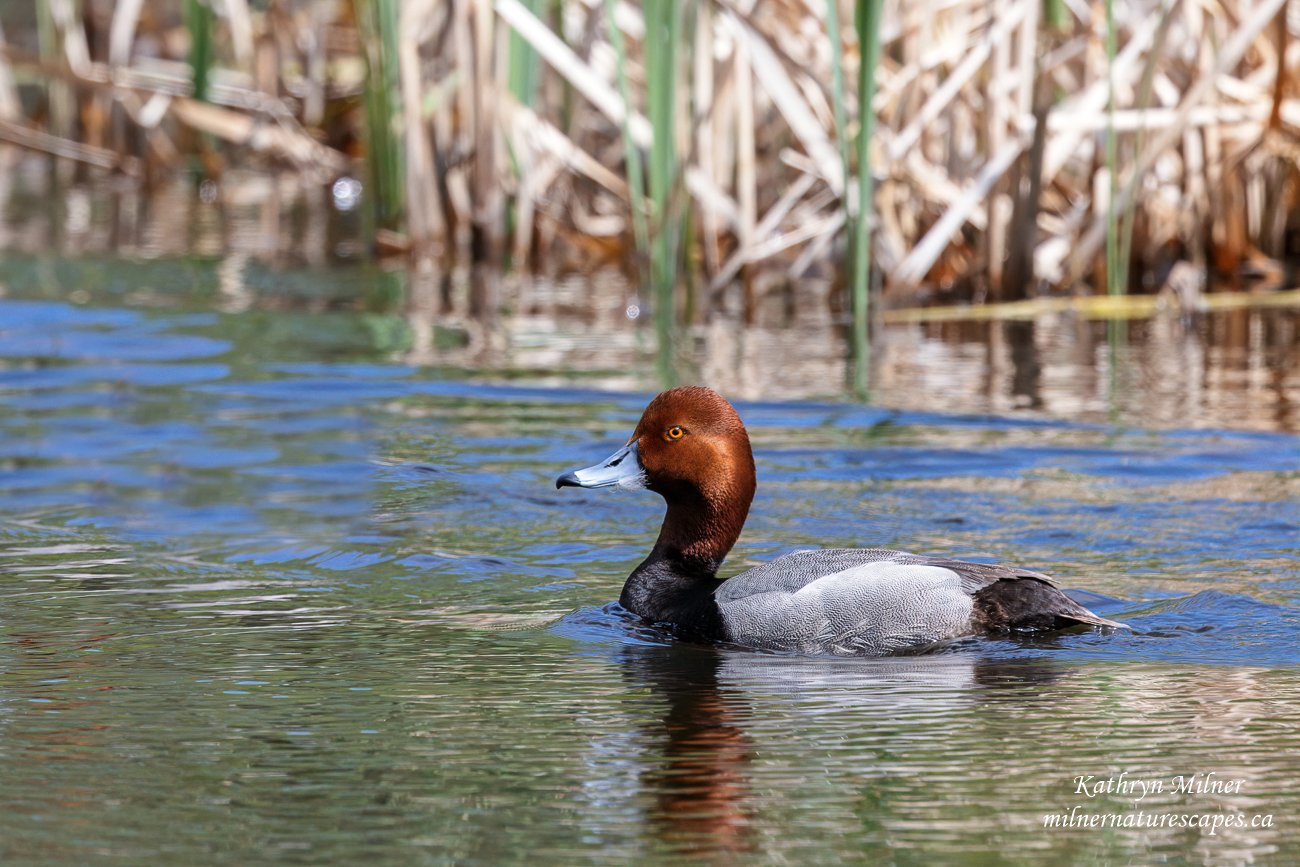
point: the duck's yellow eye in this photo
(674, 433)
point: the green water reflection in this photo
(285, 580)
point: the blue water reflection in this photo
(305, 589)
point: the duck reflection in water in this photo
(701, 788)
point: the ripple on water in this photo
(288, 601)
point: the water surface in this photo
(277, 589)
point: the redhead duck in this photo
(691, 448)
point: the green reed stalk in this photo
(1129, 214)
(1113, 276)
(868, 26)
(200, 21)
(1054, 14)
(635, 174)
(837, 83)
(1116, 329)
(61, 100)
(377, 25)
(46, 33)
(523, 68)
(663, 35)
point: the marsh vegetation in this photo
(716, 154)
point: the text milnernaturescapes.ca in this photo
(1137, 788)
(1208, 822)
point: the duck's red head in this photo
(691, 448)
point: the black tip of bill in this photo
(621, 468)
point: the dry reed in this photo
(513, 131)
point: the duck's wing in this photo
(869, 601)
(1015, 599)
(795, 571)
(851, 583)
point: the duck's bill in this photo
(623, 468)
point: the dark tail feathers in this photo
(1031, 605)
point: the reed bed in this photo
(724, 150)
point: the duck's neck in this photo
(675, 583)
